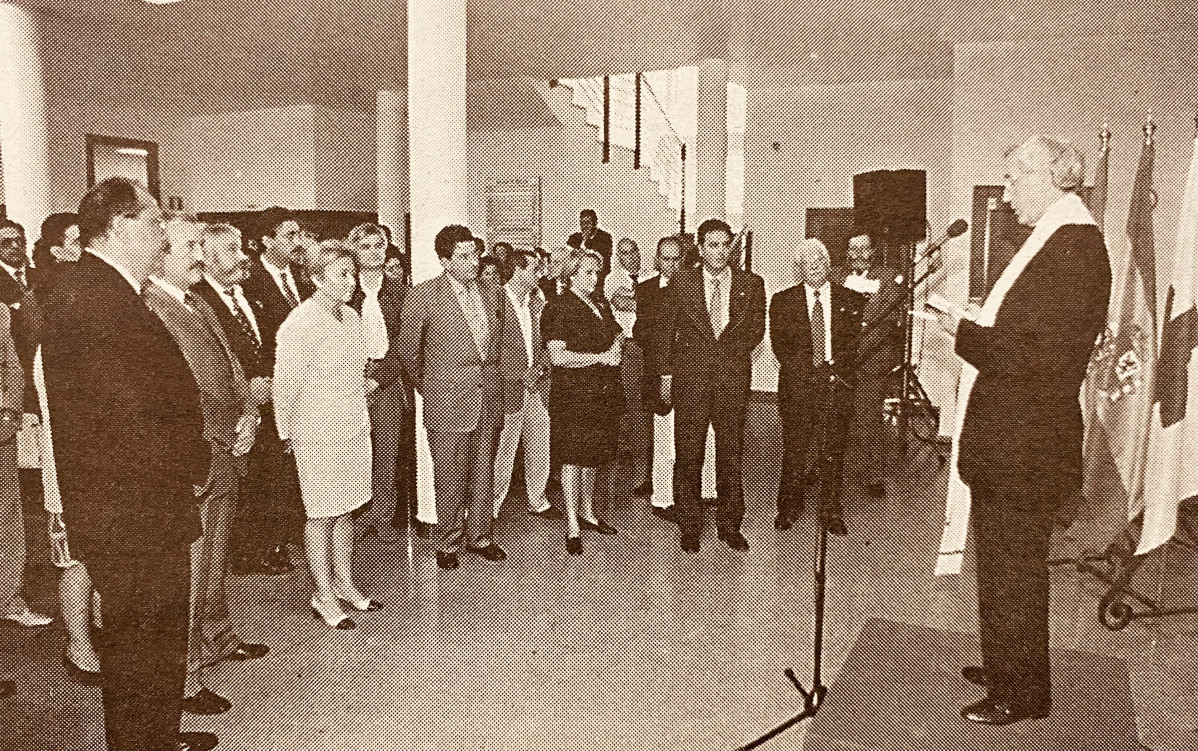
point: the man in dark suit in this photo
(379, 300)
(814, 327)
(879, 352)
(270, 486)
(705, 363)
(230, 425)
(1020, 444)
(552, 284)
(591, 237)
(130, 451)
(449, 341)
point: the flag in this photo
(1172, 475)
(1124, 365)
(1094, 452)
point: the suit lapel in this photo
(695, 302)
(738, 298)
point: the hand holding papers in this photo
(949, 313)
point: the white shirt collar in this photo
(12, 270)
(171, 290)
(825, 290)
(217, 285)
(120, 269)
(723, 276)
(516, 301)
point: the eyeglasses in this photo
(12, 242)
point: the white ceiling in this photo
(258, 52)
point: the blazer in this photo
(460, 388)
(600, 242)
(218, 373)
(881, 350)
(128, 426)
(303, 280)
(12, 374)
(790, 337)
(391, 298)
(513, 358)
(688, 349)
(25, 324)
(1023, 424)
(255, 361)
(654, 309)
(269, 304)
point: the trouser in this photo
(636, 425)
(463, 479)
(143, 646)
(530, 423)
(665, 471)
(270, 512)
(12, 536)
(386, 434)
(1012, 550)
(725, 413)
(211, 637)
(869, 427)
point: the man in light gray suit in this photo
(448, 340)
(230, 426)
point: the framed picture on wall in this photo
(109, 156)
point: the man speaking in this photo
(1019, 446)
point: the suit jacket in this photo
(879, 351)
(688, 349)
(256, 361)
(790, 336)
(391, 298)
(600, 242)
(303, 281)
(218, 373)
(12, 374)
(25, 322)
(654, 309)
(128, 426)
(460, 388)
(271, 307)
(513, 358)
(1023, 424)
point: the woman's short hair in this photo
(574, 262)
(1066, 165)
(326, 254)
(54, 230)
(364, 230)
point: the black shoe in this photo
(421, 529)
(78, 674)
(447, 561)
(196, 742)
(551, 513)
(574, 545)
(690, 543)
(206, 702)
(876, 489)
(735, 539)
(782, 521)
(7, 689)
(248, 651)
(669, 514)
(598, 525)
(999, 712)
(644, 489)
(490, 552)
(976, 675)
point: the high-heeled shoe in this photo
(365, 605)
(574, 545)
(78, 674)
(333, 618)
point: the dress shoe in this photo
(196, 742)
(447, 561)
(644, 489)
(668, 513)
(976, 675)
(999, 712)
(420, 529)
(783, 522)
(875, 489)
(206, 702)
(27, 619)
(490, 552)
(331, 614)
(574, 545)
(690, 543)
(78, 674)
(734, 539)
(7, 689)
(248, 651)
(549, 512)
(598, 525)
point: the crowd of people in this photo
(204, 412)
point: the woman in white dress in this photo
(320, 392)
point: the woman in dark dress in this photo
(586, 398)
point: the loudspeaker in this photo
(891, 205)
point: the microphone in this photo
(956, 229)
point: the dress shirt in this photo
(243, 305)
(17, 273)
(725, 280)
(173, 291)
(524, 319)
(621, 280)
(825, 296)
(288, 289)
(120, 269)
(471, 300)
(373, 324)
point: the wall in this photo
(825, 135)
(346, 160)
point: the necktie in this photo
(476, 319)
(817, 332)
(20, 274)
(242, 321)
(713, 307)
(633, 279)
(287, 288)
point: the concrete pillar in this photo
(436, 124)
(711, 141)
(24, 134)
(392, 137)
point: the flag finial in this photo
(1104, 136)
(1149, 129)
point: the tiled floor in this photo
(632, 646)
